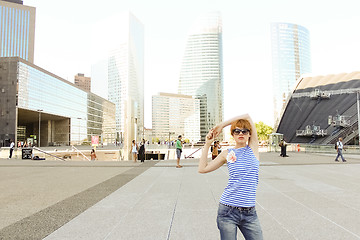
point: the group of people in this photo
(138, 151)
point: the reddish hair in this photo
(241, 123)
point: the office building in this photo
(17, 30)
(290, 59)
(35, 102)
(123, 73)
(175, 114)
(83, 82)
(201, 72)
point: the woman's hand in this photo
(210, 137)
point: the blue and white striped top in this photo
(243, 179)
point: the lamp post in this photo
(358, 113)
(136, 132)
(39, 110)
(79, 129)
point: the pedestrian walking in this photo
(134, 150)
(178, 151)
(93, 155)
(237, 203)
(12, 146)
(142, 151)
(339, 148)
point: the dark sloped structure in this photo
(306, 116)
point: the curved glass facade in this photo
(290, 59)
(201, 72)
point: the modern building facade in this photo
(83, 82)
(175, 114)
(126, 78)
(17, 30)
(201, 72)
(321, 109)
(35, 102)
(290, 59)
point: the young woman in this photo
(93, 155)
(237, 203)
(134, 150)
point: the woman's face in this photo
(241, 135)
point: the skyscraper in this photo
(201, 72)
(290, 59)
(124, 46)
(17, 30)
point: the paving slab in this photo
(305, 196)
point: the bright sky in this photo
(64, 28)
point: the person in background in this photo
(134, 150)
(283, 145)
(12, 146)
(142, 151)
(339, 148)
(215, 150)
(178, 151)
(93, 155)
(237, 203)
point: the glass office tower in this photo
(17, 30)
(290, 59)
(126, 78)
(201, 72)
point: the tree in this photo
(263, 130)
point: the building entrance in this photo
(42, 129)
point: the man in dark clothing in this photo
(12, 145)
(283, 144)
(142, 151)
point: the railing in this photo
(310, 148)
(38, 149)
(189, 156)
(78, 151)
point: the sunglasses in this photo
(244, 131)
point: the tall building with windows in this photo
(17, 30)
(201, 72)
(124, 74)
(175, 114)
(290, 59)
(83, 82)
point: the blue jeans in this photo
(178, 153)
(231, 218)
(339, 154)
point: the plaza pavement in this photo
(304, 196)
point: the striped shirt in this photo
(243, 179)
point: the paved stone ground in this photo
(305, 196)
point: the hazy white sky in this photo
(64, 28)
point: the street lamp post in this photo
(358, 113)
(79, 130)
(39, 110)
